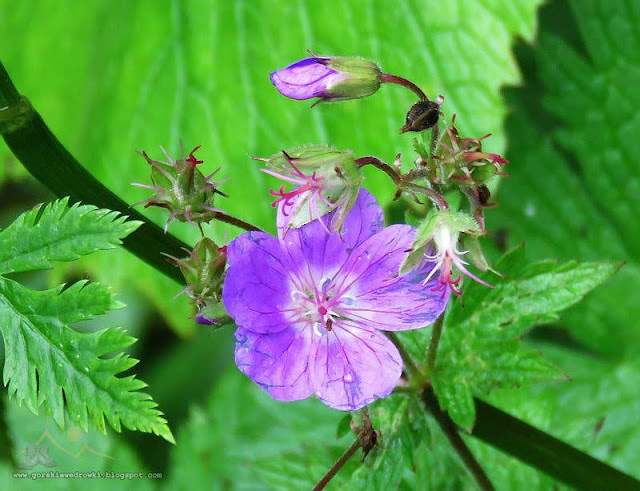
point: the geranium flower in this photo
(310, 306)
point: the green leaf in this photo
(57, 232)
(480, 347)
(242, 436)
(48, 365)
(199, 72)
(403, 429)
(574, 170)
(71, 450)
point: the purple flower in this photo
(310, 305)
(330, 79)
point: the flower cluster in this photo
(312, 304)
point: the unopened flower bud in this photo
(331, 79)
(203, 271)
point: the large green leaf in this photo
(198, 70)
(48, 365)
(574, 176)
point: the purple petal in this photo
(318, 253)
(379, 296)
(353, 366)
(256, 290)
(278, 362)
(305, 79)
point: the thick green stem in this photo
(50, 162)
(457, 443)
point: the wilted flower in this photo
(310, 306)
(329, 78)
(182, 189)
(442, 231)
(324, 179)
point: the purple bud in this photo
(330, 78)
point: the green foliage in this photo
(480, 346)
(245, 439)
(403, 429)
(574, 173)
(198, 71)
(48, 364)
(57, 232)
(72, 450)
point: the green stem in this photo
(457, 443)
(409, 365)
(436, 332)
(546, 453)
(383, 166)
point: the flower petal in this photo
(353, 366)
(305, 79)
(278, 362)
(319, 253)
(379, 296)
(257, 286)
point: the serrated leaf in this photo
(480, 347)
(57, 232)
(574, 174)
(50, 366)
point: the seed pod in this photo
(422, 116)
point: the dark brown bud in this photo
(422, 116)
(483, 194)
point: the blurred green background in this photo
(557, 85)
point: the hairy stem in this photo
(223, 217)
(433, 343)
(402, 182)
(344, 458)
(393, 79)
(457, 443)
(383, 166)
(432, 194)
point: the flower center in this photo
(321, 306)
